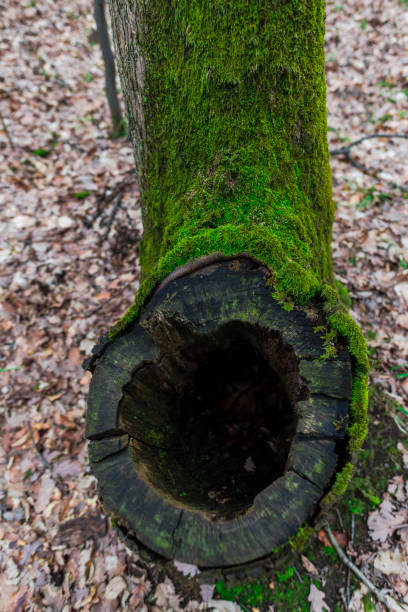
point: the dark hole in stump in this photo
(225, 434)
(239, 425)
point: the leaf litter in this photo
(62, 284)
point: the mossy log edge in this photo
(279, 511)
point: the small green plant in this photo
(286, 575)
(251, 595)
(41, 152)
(28, 474)
(363, 24)
(368, 604)
(357, 507)
(383, 119)
(88, 77)
(88, 118)
(399, 374)
(331, 553)
(387, 84)
(81, 195)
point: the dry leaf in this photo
(383, 521)
(308, 565)
(323, 538)
(316, 598)
(206, 592)
(187, 569)
(44, 494)
(221, 605)
(86, 379)
(404, 452)
(115, 588)
(392, 562)
(249, 465)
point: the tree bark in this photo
(238, 339)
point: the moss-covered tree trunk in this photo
(227, 112)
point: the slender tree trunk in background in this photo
(118, 126)
(218, 409)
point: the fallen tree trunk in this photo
(227, 403)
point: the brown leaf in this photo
(308, 565)
(402, 320)
(104, 295)
(45, 491)
(74, 356)
(86, 379)
(342, 539)
(323, 538)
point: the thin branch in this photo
(389, 602)
(39, 454)
(299, 577)
(6, 131)
(115, 208)
(343, 150)
(103, 200)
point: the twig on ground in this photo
(340, 520)
(353, 520)
(345, 151)
(389, 602)
(297, 574)
(348, 569)
(104, 200)
(37, 450)
(6, 131)
(115, 208)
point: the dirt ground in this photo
(68, 273)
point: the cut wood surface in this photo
(216, 420)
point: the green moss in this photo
(343, 294)
(300, 540)
(252, 594)
(340, 485)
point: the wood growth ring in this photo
(215, 425)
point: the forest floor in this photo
(67, 275)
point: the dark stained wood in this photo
(277, 514)
(331, 378)
(314, 460)
(323, 416)
(137, 449)
(114, 371)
